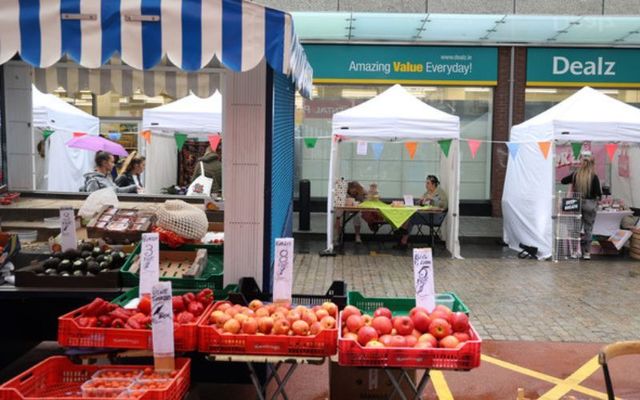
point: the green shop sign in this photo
(403, 64)
(580, 67)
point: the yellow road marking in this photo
(440, 385)
(574, 380)
(548, 378)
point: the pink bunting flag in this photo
(611, 149)
(474, 145)
(214, 141)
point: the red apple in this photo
(410, 340)
(459, 322)
(366, 334)
(309, 317)
(293, 316)
(281, 327)
(215, 316)
(398, 341)
(440, 328)
(349, 311)
(328, 322)
(331, 308)
(418, 309)
(427, 337)
(222, 320)
(355, 322)
(374, 343)
(315, 328)
(449, 342)
(321, 313)
(367, 319)
(461, 336)
(421, 321)
(403, 325)
(382, 325)
(262, 312)
(443, 308)
(439, 314)
(423, 345)
(386, 340)
(300, 328)
(416, 333)
(350, 336)
(231, 326)
(223, 306)
(250, 326)
(382, 312)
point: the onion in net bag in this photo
(182, 218)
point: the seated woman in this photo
(131, 175)
(357, 193)
(100, 178)
(434, 196)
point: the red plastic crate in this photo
(211, 341)
(57, 378)
(465, 357)
(70, 334)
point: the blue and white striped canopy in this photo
(188, 32)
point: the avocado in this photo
(103, 265)
(90, 259)
(39, 269)
(71, 254)
(86, 246)
(65, 265)
(96, 251)
(108, 251)
(118, 258)
(79, 265)
(78, 273)
(64, 273)
(93, 267)
(100, 258)
(51, 263)
(85, 254)
(51, 271)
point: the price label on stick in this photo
(162, 326)
(283, 270)
(149, 262)
(423, 278)
(68, 229)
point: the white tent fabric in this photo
(397, 116)
(197, 117)
(527, 200)
(50, 112)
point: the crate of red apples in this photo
(399, 334)
(125, 323)
(59, 378)
(270, 329)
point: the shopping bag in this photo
(623, 164)
(201, 185)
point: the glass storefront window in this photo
(395, 173)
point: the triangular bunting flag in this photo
(474, 145)
(513, 149)
(377, 149)
(577, 148)
(310, 142)
(611, 149)
(79, 134)
(46, 133)
(411, 148)
(214, 141)
(180, 139)
(544, 148)
(147, 136)
(445, 145)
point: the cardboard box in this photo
(351, 383)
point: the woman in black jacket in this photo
(131, 175)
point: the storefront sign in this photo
(403, 64)
(580, 67)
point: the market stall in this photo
(397, 116)
(192, 116)
(56, 121)
(527, 201)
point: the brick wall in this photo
(501, 101)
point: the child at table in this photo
(355, 193)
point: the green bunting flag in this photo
(180, 139)
(46, 133)
(577, 148)
(445, 145)
(310, 142)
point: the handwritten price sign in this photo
(162, 321)
(423, 278)
(67, 229)
(283, 270)
(149, 262)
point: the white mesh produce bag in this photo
(186, 220)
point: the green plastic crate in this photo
(211, 277)
(218, 294)
(402, 306)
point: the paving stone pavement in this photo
(509, 299)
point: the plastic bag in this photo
(623, 164)
(96, 200)
(201, 185)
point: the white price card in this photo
(68, 229)
(408, 200)
(423, 278)
(162, 325)
(362, 148)
(149, 262)
(283, 270)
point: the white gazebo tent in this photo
(527, 201)
(194, 116)
(52, 113)
(397, 116)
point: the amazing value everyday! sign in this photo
(579, 67)
(403, 64)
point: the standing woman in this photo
(585, 182)
(131, 174)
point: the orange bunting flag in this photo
(79, 134)
(611, 150)
(147, 136)
(544, 148)
(474, 145)
(411, 148)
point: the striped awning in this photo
(188, 32)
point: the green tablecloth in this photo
(396, 216)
